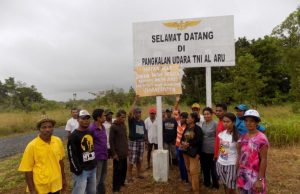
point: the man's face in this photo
(152, 115)
(84, 121)
(138, 115)
(122, 118)
(46, 130)
(240, 113)
(169, 114)
(101, 119)
(74, 113)
(197, 110)
(109, 117)
(220, 112)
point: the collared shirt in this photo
(151, 128)
(100, 141)
(43, 160)
(71, 125)
(107, 126)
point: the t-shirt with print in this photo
(137, 129)
(71, 125)
(228, 151)
(81, 151)
(169, 130)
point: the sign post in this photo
(197, 42)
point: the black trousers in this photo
(119, 173)
(208, 167)
(150, 148)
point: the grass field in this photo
(283, 126)
(282, 176)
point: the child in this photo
(227, 158)
(252, 154)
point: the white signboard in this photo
(197, 42)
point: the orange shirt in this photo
(180, 130)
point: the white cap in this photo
(84, 113)
(252, 113)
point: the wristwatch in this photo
(260, 179)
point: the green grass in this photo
(9, 176)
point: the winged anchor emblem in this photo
(181, 25)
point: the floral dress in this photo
(250, 161)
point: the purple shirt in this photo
(100, 142)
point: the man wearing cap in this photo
(196, 108)
(239, 122)
(136, 144)
(72, 123)
(151, 127)
(107, 124)
(170, 134)
(100, 146)
(82, 156)
(42, 161)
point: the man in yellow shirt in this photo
(42, 161)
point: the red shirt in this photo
(220, 128)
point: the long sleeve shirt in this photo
(81, 151)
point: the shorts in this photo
(136, 151)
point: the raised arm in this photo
(176, 106)
(130, 115)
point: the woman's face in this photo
(251, 124)
(190, 120)
(228, 124)
(207, 116)
(182, 120)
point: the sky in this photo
(80, 46)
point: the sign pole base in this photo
(160, 157)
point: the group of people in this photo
(232, 151)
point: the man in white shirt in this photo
(107, 124)
(151, 127)
(72, 123)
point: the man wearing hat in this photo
(151, 127)
(170, 134)
(42, 161)
(82, 156)
(107, 124)
(196, 108)
(136, 143)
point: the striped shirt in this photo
(180, 130)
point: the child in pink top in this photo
(252, 154)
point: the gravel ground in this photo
(16, 144)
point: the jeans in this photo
(101, 176)
(85, 183)
(119, 173)
(182, 168)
